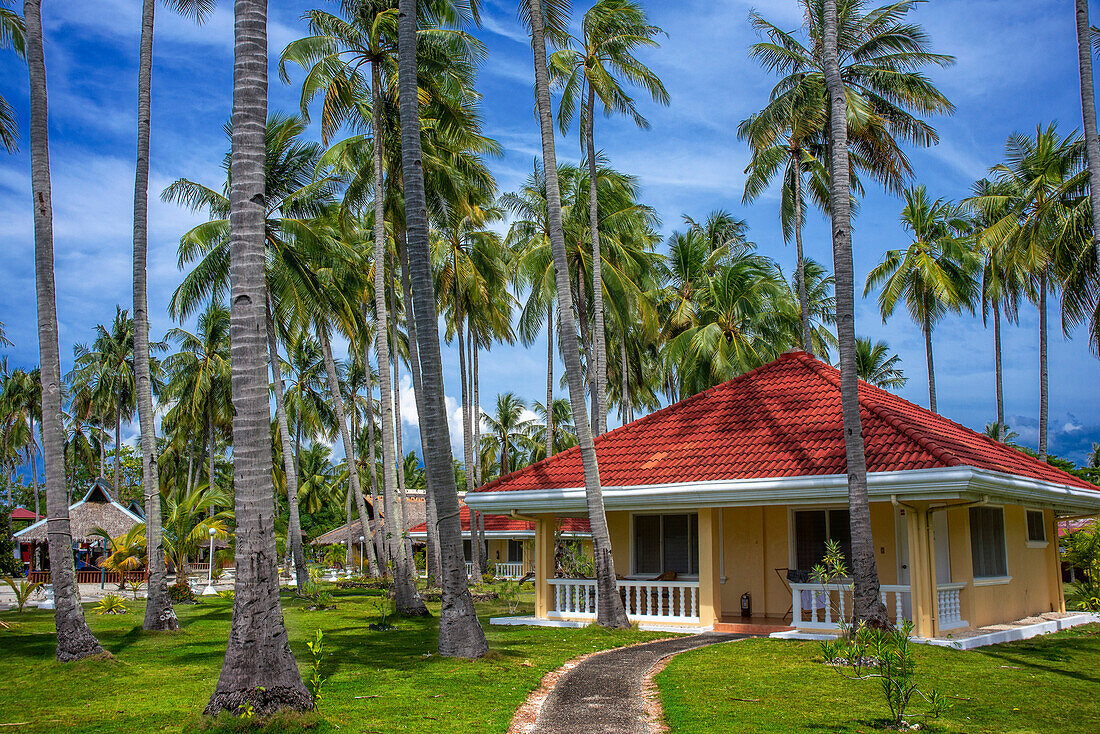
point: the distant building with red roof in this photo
(510, 539)
(728, 497)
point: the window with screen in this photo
(987, 542)
(812, 528)
(515, 551)
(1036, 527)
(664, 543)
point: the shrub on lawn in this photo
(1081, 549)
(180, 593)
(111, 604)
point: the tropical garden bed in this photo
(1046, 684)
(389, 681)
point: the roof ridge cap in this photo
(867, 398)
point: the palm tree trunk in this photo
(377, 540)
(74, 639)
(460, 633)
(402, 485)
(1088, 114)
(467, 436)
(345, 437)
(210, 438)
(627, 407)
(34, 486)
(1044, 387)
(368, 534)
(599, 359)
(609, 606)
(549, 438)
(475, 418)
(350, 539)
(102, 456)
(997, 362)
(431, 549)
(294, 524)
(867, 605)
(926, 327)
(159, 614)
(475, 410)
(259, 671)
(118, 446)
(803, 297)
(406, 597)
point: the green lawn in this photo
(378, 681)
(1048, 684)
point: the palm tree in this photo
(108, 368)
(74, 639)
(460, 633)
(200, 383)
(736, 325)
(611, 32)
(13, 36)
(259, 673)
(867, 606)
(1088, 115)
(610, 611)
(559, 423)
(998, 431)
(1042, 183)
(1093, 460)
(158, 610)
(876, 366)
(1003, 275)
(508, 431)
(933, 275)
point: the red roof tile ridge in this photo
(869, 393)
(892, 419)
(640, 422)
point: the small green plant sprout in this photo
(111, 604)
(888, 657)
(316, 681)
(509, 593)
(830, 573)
(23, 590)
(228, 594)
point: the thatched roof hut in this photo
(96, 510)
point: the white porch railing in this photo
(509, 570)
(817, 606)
(469, 570)
(645, 601)
(947, 599)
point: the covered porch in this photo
(944, 566)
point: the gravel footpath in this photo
(603, 693)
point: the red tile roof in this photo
(22, 514)
(780, 420)
(506, 524)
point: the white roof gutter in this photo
(938, 484)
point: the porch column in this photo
(544, 563)
(710, 592)
(922, 572)
(1058, 596)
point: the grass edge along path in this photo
(1044, 685)
(376, 681)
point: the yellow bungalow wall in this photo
(755, 541)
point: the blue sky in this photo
(1016, 68)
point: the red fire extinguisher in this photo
(746, 605)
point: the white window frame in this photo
(1027, 529)
(792, 554)
(990, 580)
(634, 574)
